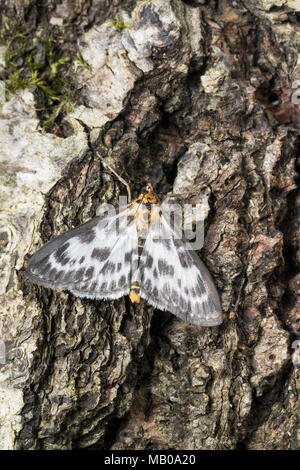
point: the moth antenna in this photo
(116, 174)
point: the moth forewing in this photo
(52, 254)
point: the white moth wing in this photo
(175, 279)
(94, 260)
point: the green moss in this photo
(38, 62)
(120, 24)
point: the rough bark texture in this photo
(199, 97)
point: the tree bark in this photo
(196, 97)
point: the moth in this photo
(133, 253)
